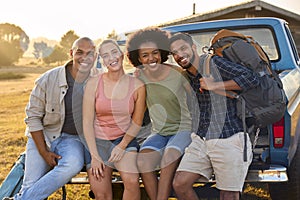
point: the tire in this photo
(289, 190)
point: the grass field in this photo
(14, 95)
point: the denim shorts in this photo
(159, 143)
(105, 148)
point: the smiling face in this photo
(84, 55)
(112, 56)
(183, 53)
(149, 56)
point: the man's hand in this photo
(207, 83)
(51, 158)
(39, 140)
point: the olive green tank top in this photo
(167, 103)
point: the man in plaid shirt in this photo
(218, 142)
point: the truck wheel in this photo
(291, 189)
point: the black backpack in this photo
(260, 106)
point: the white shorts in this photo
(221, 157)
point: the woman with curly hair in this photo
(148, 50)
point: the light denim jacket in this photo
(46, 108)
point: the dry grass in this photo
(10, 75)
(14, 96)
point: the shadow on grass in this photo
(11, 75)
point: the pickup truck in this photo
(276, 159)
(276, 156)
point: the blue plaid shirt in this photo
(216, 116)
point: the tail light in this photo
(278, 133)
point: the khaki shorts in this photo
(221, 157)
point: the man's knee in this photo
(178, 181)
(72, 164)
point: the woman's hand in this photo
(117, 153)
(97, 168)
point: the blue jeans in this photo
(40, 181)
(159, 143)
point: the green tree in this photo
(8, 53)
(67, 40)
(60, 52)
(41, 50)
(113, 35)
(58, 55)
(13, 43)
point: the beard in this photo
(190, 63)
(187, 66)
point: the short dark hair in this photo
(149, 34)
(181, 36)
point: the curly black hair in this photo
(149, 34)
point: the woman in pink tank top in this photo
(113, 110)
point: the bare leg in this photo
(169, 165)
(129, 173)
(147, 163)
(102, 189)
(183, 185)
(229, 195)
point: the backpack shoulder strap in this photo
(206, 73)
(206, 65)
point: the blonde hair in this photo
(107, 41)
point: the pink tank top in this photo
(113, 116)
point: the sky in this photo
(96, 18)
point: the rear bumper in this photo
(274, 174)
